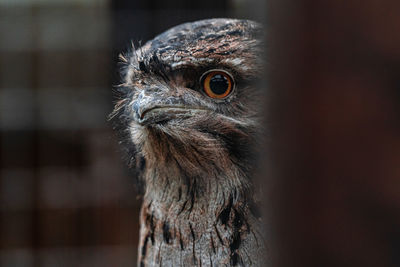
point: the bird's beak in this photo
(157, 106)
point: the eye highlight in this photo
(217, 83)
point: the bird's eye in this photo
(217, 83)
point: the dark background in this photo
(335, 104)
(66, 198)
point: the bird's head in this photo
(190, 99)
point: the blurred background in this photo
(335, 103)
(66, 198)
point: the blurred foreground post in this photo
(335, 94)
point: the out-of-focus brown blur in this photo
(66, 198)
(335, 93)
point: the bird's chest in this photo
(198, 238)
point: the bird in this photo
(188, 117)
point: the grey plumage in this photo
(195, 154)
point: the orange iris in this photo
(217, 84)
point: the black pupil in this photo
(219, 84)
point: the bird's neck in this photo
(209, 215)
(173, 191)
